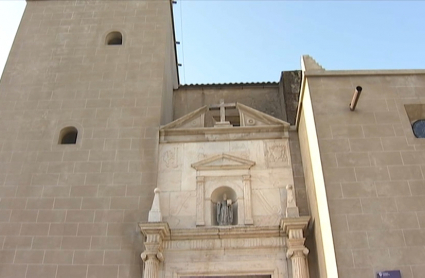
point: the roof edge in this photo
(242, 84)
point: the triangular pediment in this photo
(194, 119)
(223, 162)
(249, 124)
(252, 117)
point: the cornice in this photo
(211, 134)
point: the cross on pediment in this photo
(222, 107)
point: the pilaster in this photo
(247, 195)
(200, 189)
(297, 252)
(155, 233)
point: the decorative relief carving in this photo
(182, 204)
(250, 122)
(170, 159)
(276, 154)
(201, 153)
(266, 205)
(238, 243)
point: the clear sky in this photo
(250, 41)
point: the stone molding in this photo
(226, 237)
(159, 237)
(207, 164)
(291, 223)
(226, 232)
(228, 243)
(211, 134)
(194, 119)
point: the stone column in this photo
(297, 252)
(155, 233)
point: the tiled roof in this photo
(229, 84)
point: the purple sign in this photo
(389, 274)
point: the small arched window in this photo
(68, 135)
(114, 38)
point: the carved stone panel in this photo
(170, 158)
(277, 153)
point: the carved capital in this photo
(152, 256)
(154, 233)
(297, 252)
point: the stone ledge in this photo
(318, 73)
(213, 134)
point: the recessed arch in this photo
(114, 38)
(68, 136)
(220, 194)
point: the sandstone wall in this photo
(72, 210)
(374, 171)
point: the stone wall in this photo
(262, 96)
(289, 86)
(374, 170)
(72, 210)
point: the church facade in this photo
(111, 168)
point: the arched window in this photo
(68, 135)
(114, 38)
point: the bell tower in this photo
(85, 89)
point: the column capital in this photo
(294, 223)
(155, 228)
(297, 252)
(155, 233)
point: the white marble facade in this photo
(179, 182)
(249, 167)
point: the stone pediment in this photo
(252, 117)
(194, 119)
(223, 162)
(250, 124)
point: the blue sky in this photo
(233, 41)
(250, 41)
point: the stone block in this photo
(386, 238)
(76, 242)
(358, 189)
(71, 271)
(352, 159)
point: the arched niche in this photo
(114, 38)
(68, 136)
(227, 194)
